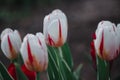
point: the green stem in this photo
(60, 65)
(60, 52)
(20, 74)
(1, 77)
(38, 76)
(103, 72)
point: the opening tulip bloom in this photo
(107, 41)
(10, 43)
(55, 28)
(34, 52)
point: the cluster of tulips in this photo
(49, 51)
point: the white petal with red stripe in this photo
(55, 28)
(10, 43)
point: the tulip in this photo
(10, 43)
(92, 51)
(55, 28)
(34, 52)
(106, 42)
(12, 71)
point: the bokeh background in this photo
(83, 17)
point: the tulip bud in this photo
(11, 70)
(10, 43)
(55, 28)
(34, 52)
(107, 42)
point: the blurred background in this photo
(83, 17)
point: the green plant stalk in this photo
(53, 71)
(4, 73)
(37, 75)
(20, 74)
(60, 63)
(59, 56)
(77, 72)
(54, 64)
(1, 78)
(103, 72)
(67, 55)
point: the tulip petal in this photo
(6, 31)
(10, 43)
(4, 46)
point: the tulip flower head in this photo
(55, 28)
(34, 52)
(10, 43)
(107, 41)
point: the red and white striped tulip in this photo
(118, 29)
(10, 43)
(107, 42)
(55, 28)
(34, 52)
(12, 71)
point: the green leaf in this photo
(20, 59)
(37, 75)
(51, 75)
(68, 72)
(67, 55)
(53, 67)
(62, 67)
(4, 72)
(102, 69)
(60, 63)
(77, 72)
(1, 78)
(20, 74)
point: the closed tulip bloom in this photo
(106, 42)
(34, 52)
(10, 43)
(55, 28)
